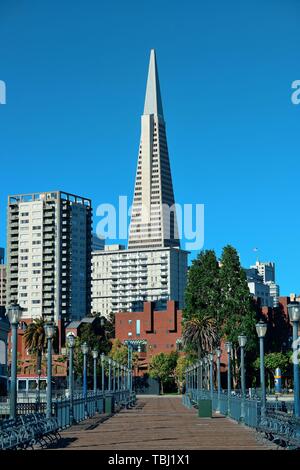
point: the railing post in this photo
(228, 346)
(219, 352)
(49, 377)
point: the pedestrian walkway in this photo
(158, 423)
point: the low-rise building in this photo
(150, 331)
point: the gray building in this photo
(49, 255)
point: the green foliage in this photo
(237, 311)
(162, 367)
(200, 334)
(274, 360)
(182, 363)
(97, 337)
(202, 291)
(119, 352)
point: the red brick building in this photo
(150, 332)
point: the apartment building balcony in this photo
(48, 296)
(49, 229)
(49, 244)
(49, 236)
(48, 288)
(49, 251)
(48, 259)
(48, 311)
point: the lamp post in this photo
(205, 371)
(114, 374)
(211, 374)
(242, 343)
(102, 373)
(261, 329)
(228, 346)
(71, 344)
(14, 314)
(294, 315)
(218, 354)
(109, 374)
(85, 350)
(95, 357)
(49, 330)
(200, 374)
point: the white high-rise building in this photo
(153, 218)
(49, 255)
(266, 270)
(2, 279)
(261, 283)
(153, 268)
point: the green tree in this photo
(237, 309)
(182, 363)
(200, 334)
(36, 342)
(119, 352)
(202, 292)
(272, 361)
(162, 367)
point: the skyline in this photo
(246, 114)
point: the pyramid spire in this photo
(153, 104)
(153, 217)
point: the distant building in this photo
(150, 331)
(4, 330)
(97, 243)
(261, 283)
(122, 280)
(257, 288)
(266, 270)
(1, 255)
(49, 255)
(2, 279)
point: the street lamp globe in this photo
(95, 354)
(102, 358)
(84, 348)
(294, 311)
(218, 353)
(14, 313)
(242, 340)
(71, 340)
(228, 346)
(211, 357)
(261, 329)
(49, 330)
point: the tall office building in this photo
(49, 255)
(153, 268)
(153, 218)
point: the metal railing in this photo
(247, 412)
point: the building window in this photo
(138, 327)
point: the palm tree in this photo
(200, 333)
(36, 342)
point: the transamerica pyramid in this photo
(153, 218)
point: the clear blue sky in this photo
(76, 75)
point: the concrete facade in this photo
(124, 279)
(49, 255)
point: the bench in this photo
(280, 428)
(28, 431)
